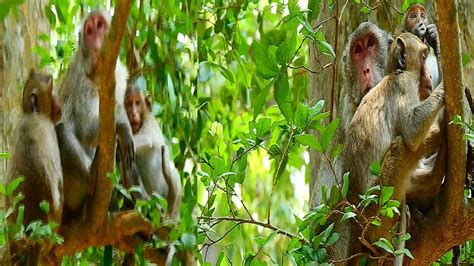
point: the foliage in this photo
(229, 84)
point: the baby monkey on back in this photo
(156, 170)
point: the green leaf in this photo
(375, 168)
(316, 109)
(404, 251)
(333, 238)
(347, 215)
(226, 73)
(364, 10)
(263, 127)
(188, 240)
(265, 60)
(261, 99)
(334, 196)
(44, 206)
(326, 48)
(5, 155)
(171, 94)
(345, 185)
(309, 140)
(385, 194)
(301, 116)
(13, 185)
(283, 96)
(385, 245)
(328, 134)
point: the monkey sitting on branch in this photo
(156, 170)
(36, 158)
(391, 109)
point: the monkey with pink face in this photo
(78, 132)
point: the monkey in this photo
(416, 21)
(155, 167)
(36, 157)
(364, 64)
(390, 109)
(78, 133)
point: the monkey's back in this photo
(36, 157)
(367, 139)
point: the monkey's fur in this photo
(36, 157)
(390, 109)
(351, 94)
(156, 169)
(78, 134)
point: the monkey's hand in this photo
(125, 139)
(431, 36)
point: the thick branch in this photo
(450, 221)
(454, 91)
(106, 69)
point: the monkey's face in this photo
(94, 31)
(38, 96)
(416, 20)
(135, 107)
(363, 52)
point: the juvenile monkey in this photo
(78, 134)
(416, 21)
(391, 109)
(364, 64)
(36, 157)
(155, 167)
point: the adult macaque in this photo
(364, 64)
(391, 109)
(78, 134)
(155, 167)
(416, 22)
(36, 157)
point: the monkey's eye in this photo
(358, 49)
(99, 24)
(413, 15)
(370, 43)
(422, 15)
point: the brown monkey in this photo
(364, 64)
(78, 133)
(416, 21)
(390, 109)
(155, 167)
(36, 157)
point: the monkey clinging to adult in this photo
(78, 134)
(36, 157)
(364, 64)
(391, 109)
(155, 167)
(416, 21)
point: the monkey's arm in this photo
(173, 181)
(416, 123)
(73, 155)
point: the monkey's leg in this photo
(174, 186)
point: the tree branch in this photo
(107, 60)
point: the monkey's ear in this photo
(401, 55)
(34, 102)
(148, 102)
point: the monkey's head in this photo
(137, 106)
(416, 20)
(38, 96)
(365, 57)
(409, 53)
(91, 38)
